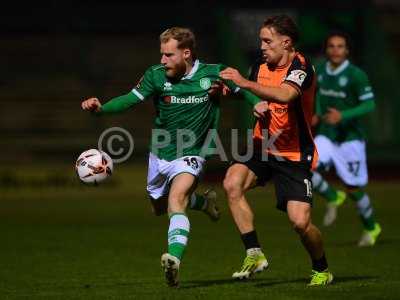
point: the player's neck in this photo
(335, 69)
(333, 66)
(286, 58)
(184, 70)
(189, 66)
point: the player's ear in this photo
(187, 53)
(287, 43)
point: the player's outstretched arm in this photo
(228, 86)
(142, 91)
(222, 89)
(115, 105)
(284, 93)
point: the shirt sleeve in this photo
(143, 89)
(300, 74)
(248, 96)
(146, 86)
(362, 109)
(231, 85)
(365, 97)
(362, 86)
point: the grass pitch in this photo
(68, 241)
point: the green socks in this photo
(321, 186)
(364, 208)
(178, 234)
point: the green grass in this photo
(77, 242)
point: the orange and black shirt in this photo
(288, 124)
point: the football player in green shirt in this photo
(344, 95)
(186, 114)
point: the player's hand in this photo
(333, 116)
(260, 109)
(219, 88)
(315, 120)
(91, 104)
(233, 75)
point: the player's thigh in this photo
(183, 177)
(182, 186)
(299, 214)
(325, 149)
(292, 183)
(193, 165)
(239, 176)
(351, 163)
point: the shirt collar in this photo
(338, 70)
(192, 71)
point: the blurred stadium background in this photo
(53, 54)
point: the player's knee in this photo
(301, 224)
(177, 201)
(233, 186)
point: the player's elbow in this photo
(285, 97)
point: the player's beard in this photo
(177, 72)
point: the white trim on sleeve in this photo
(139, 95)
(366, 96)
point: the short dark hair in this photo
(340, 34)
(284, 25)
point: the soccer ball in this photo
(93, 166)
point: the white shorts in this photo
(161, 172)
(348, 158)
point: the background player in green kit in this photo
(344, 95)
(186, 113)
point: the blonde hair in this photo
(184, 36)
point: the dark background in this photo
(53, 54)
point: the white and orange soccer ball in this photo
(93, 166)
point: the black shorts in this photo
(292, 180)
